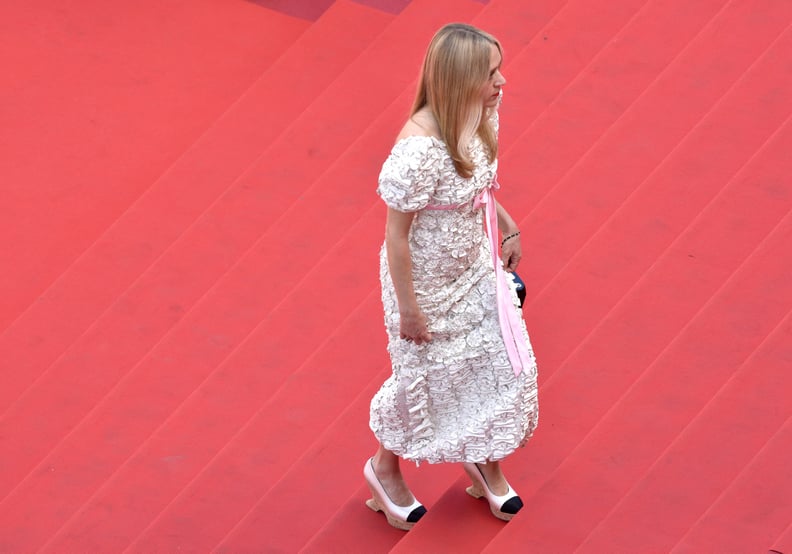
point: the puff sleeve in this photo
(410, 174)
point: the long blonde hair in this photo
(455, 69)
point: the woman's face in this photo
(491, 90)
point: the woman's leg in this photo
(493, 475)
(386, 468)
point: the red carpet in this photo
(191, 327)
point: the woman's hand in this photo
(511, 253)
(511, 250)
(413, 327)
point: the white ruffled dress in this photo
(456, 398)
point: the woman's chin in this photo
(491, 103)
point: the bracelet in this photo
(507, 237)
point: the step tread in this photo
(670, 271)
(101, 100)
(706, 457)
(632, 151)
(784, 542)
(221, 422)
(131, 388)
(138, 239)
(137, 320)
(639, 426)
(757, 506)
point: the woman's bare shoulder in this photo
(421, 124)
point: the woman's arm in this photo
(511, 250)
(413, 324)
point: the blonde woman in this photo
(463, 387)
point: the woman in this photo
(463, 387)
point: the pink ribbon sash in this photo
(510, 324)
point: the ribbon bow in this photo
(511, 329)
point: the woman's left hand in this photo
(511, 253)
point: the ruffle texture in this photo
(456, 398)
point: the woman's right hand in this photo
(413, 327)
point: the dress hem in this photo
(442, 459)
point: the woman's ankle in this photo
(493, 475)
(386, 463)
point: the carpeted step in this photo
(186, 264)
(640, 63)
(783, 543)
(328, 471)
(372, 531)
(635, 147)
(608, 261)
(256, 411)
(553, 59)
(202, 356)
(76, 370)
(100, 100)
(142, 235)
(643, 422)
(757, 506)
(706, 457)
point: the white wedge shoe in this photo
(401, 517)
(503, 507)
